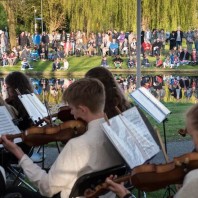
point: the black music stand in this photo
(157, 110)
(152, 106)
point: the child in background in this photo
(65, 64)
(176, 61)
(194, 57)
(131, 62)
(42, 54)
(104, 62)
(25, 64)
(167, 62)
(51, 55)
(159, 61)
(34, 55)
(118, 62)
(5, 59)
(145, 61)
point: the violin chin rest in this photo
(178, 163)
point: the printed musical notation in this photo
(131, 137)
(6, 124)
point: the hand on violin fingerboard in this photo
(117, 188)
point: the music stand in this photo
(152, 106)
(156, 109)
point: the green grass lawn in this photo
(175, 121)
(79, 66)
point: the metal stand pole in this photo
(138, 72)
(164, 129)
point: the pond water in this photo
(167, 88)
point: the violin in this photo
(32, 138)
(78, 126)
(63, 114)
(151, 177)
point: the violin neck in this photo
(89, 193)
(123, 178)
(13, 136)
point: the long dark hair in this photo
(18, 80)
(114, 95)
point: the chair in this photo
(17, 172)
(91, 180)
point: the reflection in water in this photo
(166, 88)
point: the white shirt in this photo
(190, 186)
(87, 153)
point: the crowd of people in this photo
(60, 45)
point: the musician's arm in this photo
(119, 189)
(12, 147)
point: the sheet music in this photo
(131, 137)
(6, 124)
(38, 104)
(135, 118)
(35, 109)
(150, 104)
(155, 100)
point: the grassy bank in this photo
(79, 66)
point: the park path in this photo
(174, 149)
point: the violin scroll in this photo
(182, 132)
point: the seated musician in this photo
(189, 188)
(114, 95)
(13, 112)
(87, 153)
(17, 80)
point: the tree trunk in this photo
(12, 28)
(8, 6)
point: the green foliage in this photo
(3, 17)
(94, 15)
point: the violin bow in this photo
(48, 112)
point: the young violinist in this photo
(13, 81)
(189, 188)
(18, 80)
(87, 153)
